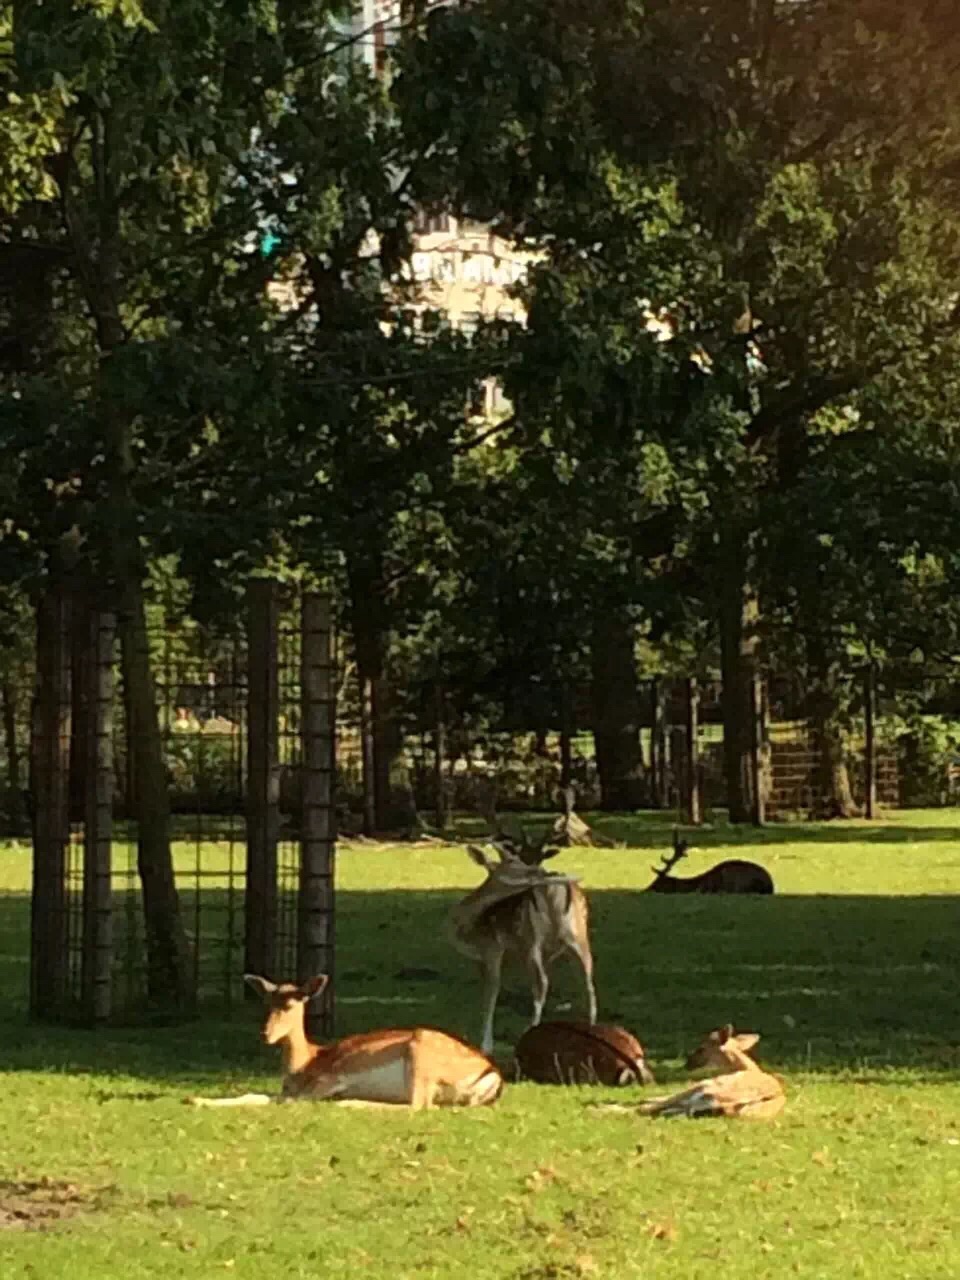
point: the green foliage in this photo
(928, 751)
(799, 243)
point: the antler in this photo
(680, 848)
(507, 844)
(505, 879)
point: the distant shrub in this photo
(927, 747)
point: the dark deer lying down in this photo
(732, 876)
(580, 1053)
(743, 1090)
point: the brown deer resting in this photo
(743, 1091)
(528, 913)
(580, 1053)
(416, 1067)
(732, 876)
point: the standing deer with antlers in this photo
(732, 876)
(528, 913)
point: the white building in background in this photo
(458, 270)
(376, 24)
(458, 266)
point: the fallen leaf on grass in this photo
(665, 1231)
(540, 1178)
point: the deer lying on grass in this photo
(528, 913)
(732, 876)
(580, 1053)
(420, 1067)
(743, 1091)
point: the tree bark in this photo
(393, 801)
(441, 799)
(367, 755)
(566, 736)
(169, 968)
(616, 713)
(834, 795)
(739, 644)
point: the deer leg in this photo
(583, 953)
(419, 1077)
(539, 983)
(492, 963)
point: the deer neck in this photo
(738, 1060)
(298, 1052)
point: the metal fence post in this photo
(315, 916)
(50, 758)
(870, 742)
(263, 783)
(693, 797)
(97, 963)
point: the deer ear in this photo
(726, 1033)
(747, 1041)
(313, 986)
(263, 986)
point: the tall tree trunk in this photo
(169, 960)
(616, 712)
(834, 793)
(367, 755)
(739, 615)
(394, 805)
(169, 968)
(393, 788)
(566, 736)
(441, 799)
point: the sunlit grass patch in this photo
(848, 973)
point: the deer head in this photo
(722, 1050)
(286, 1004)
(514, 844)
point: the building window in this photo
(477, 403)
(379, 49)
(426, 223)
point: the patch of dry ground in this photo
(41, 1203)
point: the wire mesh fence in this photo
(91, 954)
(251, 822)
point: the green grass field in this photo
(850, 974)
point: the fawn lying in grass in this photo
(743, 1090)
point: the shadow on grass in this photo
(832, 983)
